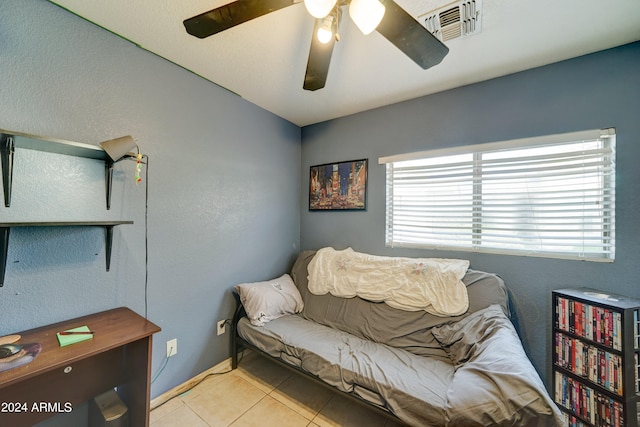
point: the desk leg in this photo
(135, 392)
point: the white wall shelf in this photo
(5, 227)
(10, 140)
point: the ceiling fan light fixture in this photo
(326, 31)
(319, 8)
(366, 14)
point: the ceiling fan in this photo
(385, 16)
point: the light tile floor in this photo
(261, 393)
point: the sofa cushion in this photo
(411, 387)
(495, 384)
(381, 323)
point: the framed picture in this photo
(338, 186)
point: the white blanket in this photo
(431, 284)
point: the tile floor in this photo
(261, 393)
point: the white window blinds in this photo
(550, 196)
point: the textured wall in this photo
(590, 92)
(223, 187)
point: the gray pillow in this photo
(266, 301)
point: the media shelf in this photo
(595, 356)
(5, 227)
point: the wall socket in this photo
(222, 326)
(172, 347)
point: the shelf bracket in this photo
(108, 242)
(4, 249)
(7, 148)
(108, 180)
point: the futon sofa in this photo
(419, 368)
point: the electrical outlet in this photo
(172, 347)
(222, 327)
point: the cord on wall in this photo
(164, 365)
(146, 238)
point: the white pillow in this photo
(266, 301)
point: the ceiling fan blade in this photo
(410, 37)
(319, 60)
(214, 21)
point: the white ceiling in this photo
(264, 60)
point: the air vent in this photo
(455, 20)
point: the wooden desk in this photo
(119, 355)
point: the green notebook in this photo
(65, 340)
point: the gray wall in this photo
(223, 187)
(217, 215)
(590, 92)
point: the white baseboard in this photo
(221, 367)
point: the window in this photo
(551, 196)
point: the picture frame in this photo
(338, 186)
